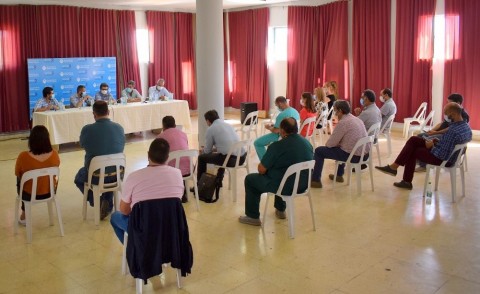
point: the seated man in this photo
(280, 155)
(104, 95)
(220, 136)
(346, 134)
(145, 184)
(130, 93)
(48, 102)
(159, 92)
(265, 140)
(77, 99)
(430, 151)
(389, 107)
(177, 140)
(370, 114)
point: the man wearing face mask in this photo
(389, 107)
(48, 102)
(131, 94)
(77, 99)
(370, 114)
(104, 95)
(262, 142)
(430, 151)
(159, 92)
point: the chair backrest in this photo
(177, 155)
(459, 151)
(374, 130)
(296, 169)
(238, 149)
(309, 123)
(251, 120)
(51, 172)
(388, 124)
(428, 122)
(422, 109)
(362, 143)
(101, 163)
(330, 111)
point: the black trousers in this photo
(217, 159)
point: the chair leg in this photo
(465, 162)
(17, 217)
(358, 167)
(124, 254)
(378, 153)
(50, 213)
(389, 142)
(437, 176)
(85, 194)
(195, 188)
(311, 210)
(265, 209)
(291, 216)
(370, 167)
(427, 177)
(462, 177)
(28, 217)
(96, 207)
(138, 286)
(179, 278)
(59, 216)
(453, 179)
(233, 180)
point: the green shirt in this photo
(288, 112)
(281, 155)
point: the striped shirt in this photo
(346, 134)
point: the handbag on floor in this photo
(207, 187)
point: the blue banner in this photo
(65, 74)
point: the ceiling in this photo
(168, 5)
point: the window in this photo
(277, 44)
(440, 42)
(142, 46)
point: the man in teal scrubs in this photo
(280, 155)
(265, 140)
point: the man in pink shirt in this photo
(156, 181)
(178, 141)
(348, 131)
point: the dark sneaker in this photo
(249, 221)
(363, 167)
(403, 185)
(104, 209)
(316, 184)
(339, 178)
(387, 170)
(280, 214)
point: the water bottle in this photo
(61, 106)
(428, 199)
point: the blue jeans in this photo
(119, 223)
(335, 153)
(82, 177)
(262, 142)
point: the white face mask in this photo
(159, 88)
(104, 92)
(382, 99)
(302, 102)
(361, 101)
(446, 118)
(53, 96)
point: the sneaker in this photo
(420, 169)
(316, 184)
(362, 167)
(403, 185)
(280, 214)
(339, 178)
(104, 209)
(249, 221)
(387, 170)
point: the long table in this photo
(65, 126)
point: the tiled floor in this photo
(387, 241)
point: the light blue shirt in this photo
(133, 94)
(107, 97)
(155, 94)
(222, 136)
(370, 115)
(42, 102)
(388, 109)
(287, 112)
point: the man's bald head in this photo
(453, 111)
(289, 126)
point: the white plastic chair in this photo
(53, 174)
(294, 170)
(191, 154)
(322, 120)
(246, 130)
(100, 163)
(374, 130)
(232, 171)
(460, 149)
(362, 143)
(418, 117)
(386, 131)
(425, 126)
(309, 124)
(139, 282)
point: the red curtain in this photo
(371, 46)
(185, 58)
(161, 31)
(127, 50)
(413, 55)
(226, 76)
(248, 39)
(317, 48)
(462, 62)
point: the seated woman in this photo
(40, 155)
(307, 111)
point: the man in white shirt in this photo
(389, 107)
(159, 92)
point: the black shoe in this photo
(104, 209)
(338, 180)
(192, 189)
(387, 170)
(404, 185)
(184, 198)
(363, 166)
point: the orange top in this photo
(304, 114)
(26, 162)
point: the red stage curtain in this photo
(161, 29)
(16, 46)
(371, 47)
(248, 33)
(413, 55)
(185, 59)
(462, 64)
(317, 48)
(227, 94)
(127, 50)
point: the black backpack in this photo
(207, 187)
